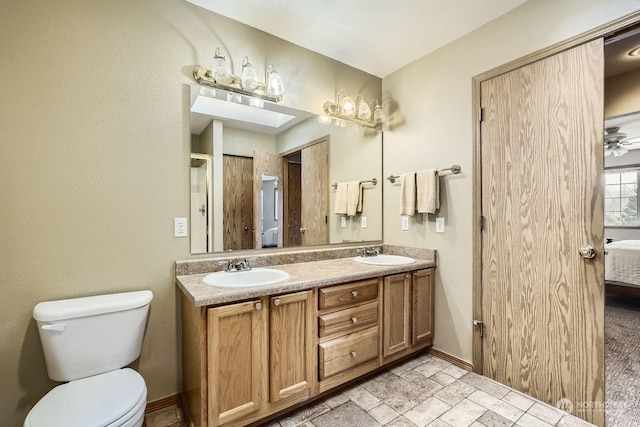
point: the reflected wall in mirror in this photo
(268, 175)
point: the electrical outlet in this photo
(364, 222)
(180, 227)
(343, 221)
(439, 225)
(405, 222)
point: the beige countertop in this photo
(302, 276)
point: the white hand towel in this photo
(428, 191)
(408, 194)
(354, 198)
(340, 207)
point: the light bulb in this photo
(275, 87)
(249, 76)
(348, 109)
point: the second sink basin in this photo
(385, 259)
(246, 278)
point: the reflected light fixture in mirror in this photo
(358, 111)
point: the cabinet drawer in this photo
(348, 294)
(349, 319)
(344, 353)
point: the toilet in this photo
(87, 343)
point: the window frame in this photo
(630, 167)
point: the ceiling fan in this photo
(615, 141)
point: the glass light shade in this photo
(220, 70)
(364, 112)
(378, 114)
(275, 87)
(249, 76)
(348, 107)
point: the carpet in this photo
(622, 361)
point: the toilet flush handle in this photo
(58, 327)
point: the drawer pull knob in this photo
(259, 306)
(354, 293)
(354, 319)
(276, 301)
(353, 354)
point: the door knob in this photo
(302, 229)
(588, 252)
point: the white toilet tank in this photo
(91, 335)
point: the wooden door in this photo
(315, 194)
(264, 164)
(422, 291)
(237, 202)
(291, 345)
(237, 349)
(292, 203)
(542, 200)
(396, 301)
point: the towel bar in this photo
(455, 169)
(373, 181)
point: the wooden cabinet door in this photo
(237, 351)
(422, 307)
(291, 345)
(396, 296)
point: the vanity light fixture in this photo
(247, 84)
(355, 110)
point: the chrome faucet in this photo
(236, 264)
(366, 252)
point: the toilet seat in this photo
(111, 399)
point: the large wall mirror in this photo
(265, 176)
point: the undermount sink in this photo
(385, 259)
(246, 278)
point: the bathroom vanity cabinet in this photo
(408, 313)
(244, 361)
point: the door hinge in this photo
(480, 114)
(481, 324)
(481, 223)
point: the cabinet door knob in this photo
(354, 319)
(276, 301)
(354, 293)
(354, 354)
(259, 306)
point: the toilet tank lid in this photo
(49, 311)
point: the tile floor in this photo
(423, 391)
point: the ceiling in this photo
(375, 36)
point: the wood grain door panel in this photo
(291, 345)
(315, 194)
(542, 169)
(237, 189)
(237, 346)
(396, 295)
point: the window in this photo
(621, 197)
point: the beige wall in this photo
(622, 94)
(94, 148)
(432, 127)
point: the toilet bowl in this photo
(88, 342)
(116, 398)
